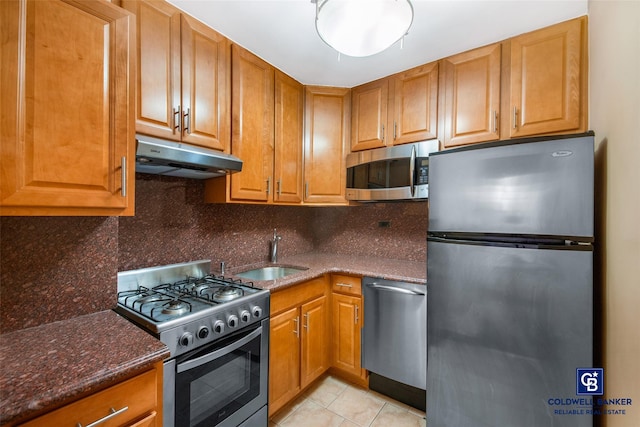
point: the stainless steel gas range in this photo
(217, 330)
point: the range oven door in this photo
(224, 383)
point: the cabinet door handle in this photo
(176, 119)
(382, 132)
(395, 126)
(112, 413)
(515, 117)
(306, 190)
(268, 185)
(495, 121)
(345, 285)
(297, 329)
(279, 182)
(123, 171)
(357, 314)
(306, 321)
(187, 119)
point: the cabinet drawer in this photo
(346, 284)
(139, 395)
(297, 294)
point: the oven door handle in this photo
(190, 364)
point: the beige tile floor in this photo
(332, 402)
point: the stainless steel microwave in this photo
(399, 172)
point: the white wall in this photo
(614, 44)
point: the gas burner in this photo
(147, 298)
(196, 287)
(227, 293)
(175, 308)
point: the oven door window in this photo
(215, 382)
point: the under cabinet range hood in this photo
(162, 157)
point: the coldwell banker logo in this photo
(589, 381)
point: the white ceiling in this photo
(282, 32)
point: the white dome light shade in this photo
(362, 27)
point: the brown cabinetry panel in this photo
(138, 400)
(252, 126)
(347, 322)
(548, 80)
(369, 115)
(289, 108)
(413, 105)
(183, 78)
(470, 96)
(298, 341)
(315, 360)
(326, 135)
(205, 65)
(284, 358)
(67, 132)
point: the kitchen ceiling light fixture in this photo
(362, 27)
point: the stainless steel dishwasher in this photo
(394, 339)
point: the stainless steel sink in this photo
(269, 273)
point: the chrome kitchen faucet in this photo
(274, 246)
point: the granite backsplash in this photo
(55, 268)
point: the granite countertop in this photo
(317, 264)
(48, 366)
(45, 367)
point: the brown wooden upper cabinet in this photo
(533, 84)
(549, 80)
(325, 144)
(369, 104)
(398, 109)
(289, 124)
(413, 103)
(183, 77)
(252, 124)
(292, 142)
(267, 132)
(67, 134)
(470, 96)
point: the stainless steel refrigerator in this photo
(509, 282)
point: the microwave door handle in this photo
(412, 169)
(181, 367)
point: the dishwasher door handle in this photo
(394, 289)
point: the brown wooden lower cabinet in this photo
(346, 323)
(138, 402)
(312, 331)
(298, 340)
(284, 358)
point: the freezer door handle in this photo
(394, 289)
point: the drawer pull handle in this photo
(112, 414)
(345, 285)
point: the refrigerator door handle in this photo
(394, 289)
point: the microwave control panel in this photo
(422, 170)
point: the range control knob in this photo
(186, 339)
(245, 316)
(257, 311)
(218, 326)
(232, 321)
(203, 332)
